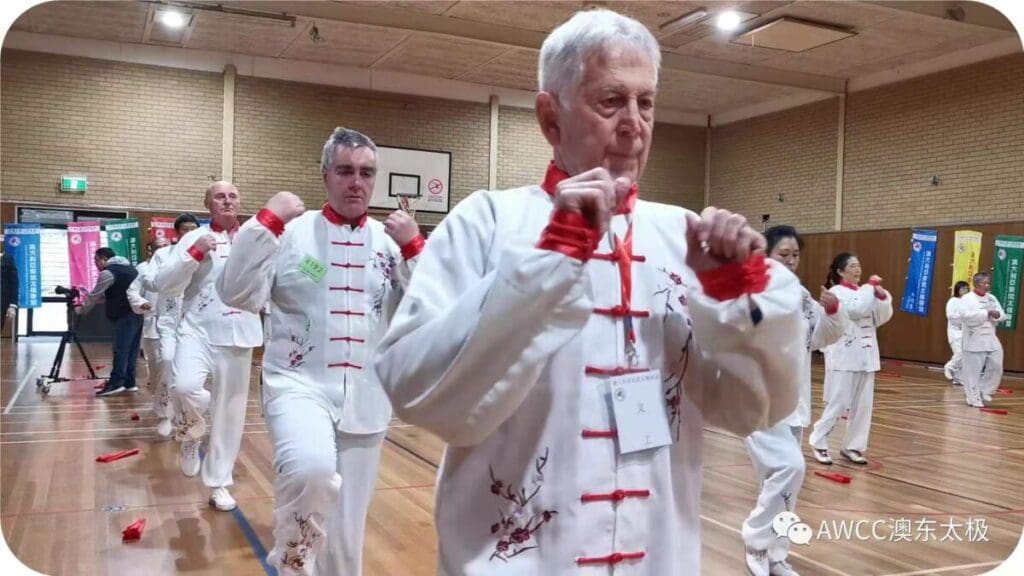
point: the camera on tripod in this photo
(44, 381)
(69, 294)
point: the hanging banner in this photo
(162, 227)
(918, 287)
(1009, 256)
(83, 241)
(123, 238)
(22, 245)
(966, 256)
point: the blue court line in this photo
(250, 535)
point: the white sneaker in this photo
(854, 456)
(189, 459)
(757, 562)
(975, 404)
(163, 428)
(821, 456)
(221, 500)
(781, 568)
(949, 373)
(986, 397)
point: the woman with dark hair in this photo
(775, 452)
(851, 363)
(954, 331)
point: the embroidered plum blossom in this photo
(516, 527)
(385, 265)
(300, 348)
(297, 551)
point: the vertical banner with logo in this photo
(1009, 256)
(162, 227)
(83, 241)
(966, 256)
(918, 288)
(123, 238)
(22, 245)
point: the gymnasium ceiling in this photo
(496, 43)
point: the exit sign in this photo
(73, 184)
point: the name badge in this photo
(641, 416)
(313, 268)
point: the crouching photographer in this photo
(116, 285)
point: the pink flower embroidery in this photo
(513, 533)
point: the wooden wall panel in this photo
(886, 253)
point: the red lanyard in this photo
(623, 253)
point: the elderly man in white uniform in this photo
(570, 341)
(982, 370)
(214, 340)
(333, 278)
(151, 336)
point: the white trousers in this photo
(229, 368)
(162, 405)
(779, 465)
(159, 373)
(324, 483)
(955, 364)
(982, 373)
(853, 391)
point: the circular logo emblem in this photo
(14, 241)
(116, 236)
(76, 239)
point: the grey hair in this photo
(981, 276)
(344, 138)
(564, 51)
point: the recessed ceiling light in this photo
(172, 19)
(728, 20)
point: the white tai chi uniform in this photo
(150, 337)
(332, 290)
(165, 318)
(214, 340)
(504, 350)
(982, 350)
(776, 452)
(850, 366)
(954, 335)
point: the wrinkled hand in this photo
(286, 206)
(401, 227)
(147, 307)
(828, 300)
(206, 244)
(719, 237)
(993, 314)
(593, 194)
(876, 280)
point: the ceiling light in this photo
(172, 19)
(728, 20)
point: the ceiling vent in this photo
(792, 35)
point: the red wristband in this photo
(413, 247)
(271, 221)
(571, 234)
(736, 279)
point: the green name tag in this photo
(312, 268)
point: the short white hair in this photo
(567, 47)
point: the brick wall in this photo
(964, 125)
(145, 136)
(790, 153)
(280, 129)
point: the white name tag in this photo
(641, 416)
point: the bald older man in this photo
(214, 340)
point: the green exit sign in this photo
(73, 184)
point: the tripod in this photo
(44, 381)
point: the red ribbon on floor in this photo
(834, 476)
(117, 455)
(135, 416)
(1000, 411)
(134, 530)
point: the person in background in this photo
(954, 332)
(8, 290)
(980, 311)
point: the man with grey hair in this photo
(333, 278)
(569, 341)
(982, 369)
(215, 341)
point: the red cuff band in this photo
(881, 296)
(196, 253)
(570, 234)
(832, 309)
(413, 247)
(874, 282)
(736, 279)
(271, 221)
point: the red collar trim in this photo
(555, 175)
(847, 284)
(980, 294)
(217, 228)
(335, 218)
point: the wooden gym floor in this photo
(934, 462)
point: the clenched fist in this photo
(205, 244)
(401, 227)
(828, 300)
(593, 194)
(286, 206)
(719, 237)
